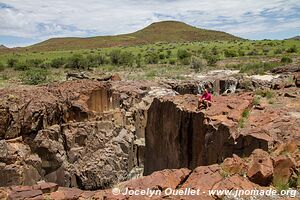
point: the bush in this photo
(292, 49)
(57, 62)
(230, 53)
(34, 62)
(162, 56)
(183, 54)
(95, 60)
(138, 60)
(1, 66)
(172, 61)
(265, 93)
(286, 60)
(12, 62)
(256, 68)
(197, 63)
(21, 66)
(211, 59)
(127, 59)
(278, 51)
(35, 76)
(115, 57)
(77, 61)
(241, 52)
(152, 58)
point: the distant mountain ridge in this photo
(166, 31)
(295, 38)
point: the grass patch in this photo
(265, 93)
(243, 120)
(256, 100)
(254, 68)
(280, 184)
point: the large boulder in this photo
(260, 169)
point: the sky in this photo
(25, 22)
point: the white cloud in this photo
(56, 18)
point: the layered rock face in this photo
(72, 134)
(177, 135)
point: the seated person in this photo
(205, 100)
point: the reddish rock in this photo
(158, 180)
(21, 188)
(115, 77)
(46, 187)
(204, 178)
(260, 169)
(283, 168)
(25, 194)
(234, 165)
(66, 194)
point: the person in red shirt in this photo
(205, 99)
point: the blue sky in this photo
(25, 22)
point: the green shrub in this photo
(162, 56)
(12, 62)
(183, 54)
(152, 58)
(21, 66)
(197, 63)
(241, 52)
(245, 116)
(127, 59)
(35, 76)
(256, 68)
(230, 53)
(95, 60)
(265, 93)
(292, 49)
(169, 52)
(211, 59)
(286, 60)
(57, 62)
(34, 62)
(45, 65)
(246, 113)
(138, 60)
(172, 61)
(278, 51)
(77, 61)
(256, 100)
(2, 67)
(115, 57)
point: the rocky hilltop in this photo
(79, 138)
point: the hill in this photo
(3, 47)
(167, 31)
(295, 38)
